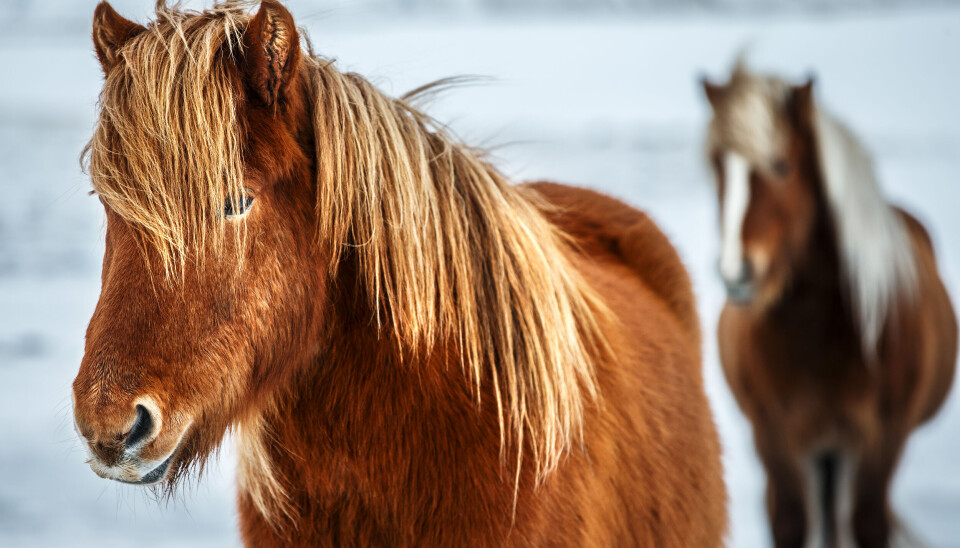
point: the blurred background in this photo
(599, 93)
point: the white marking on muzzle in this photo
(736, 198)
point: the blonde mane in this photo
(750, 118)
(875, 248)
(876, 254)
(448, 251)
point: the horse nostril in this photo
(142, 427)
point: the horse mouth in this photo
(154, 476)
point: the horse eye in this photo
(781, 167)
(237, 207)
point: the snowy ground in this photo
(608, 103)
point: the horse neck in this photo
(816, 278)
(365, 419)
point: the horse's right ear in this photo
(110, 32)
(271, 52)
(714, 92)
(801, 102)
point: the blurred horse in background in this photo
(410, 350)
(838, 337)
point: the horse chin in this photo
(154, 476)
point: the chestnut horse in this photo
(838, 337)
(409, 350)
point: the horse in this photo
(405, 348)
(838, 337)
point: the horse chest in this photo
(802, 372)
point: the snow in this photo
(601, 101)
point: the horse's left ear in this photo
(271, 53)
(801, 102)
(714, 92)
(110, 32)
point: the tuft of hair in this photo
(876, 254)
(256, 474)
(448, 251)
(750, 117)
(166, 154)
(875, 248)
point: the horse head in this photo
(211, 294)
(765, 166)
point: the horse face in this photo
(767, 202)
(170, 364)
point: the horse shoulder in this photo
(743, 369)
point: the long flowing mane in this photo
(875, 249)
(448, 251)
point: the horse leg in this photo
(845, 491)
(785, 501)
(828, 493)
(819, 472)
(871, 513)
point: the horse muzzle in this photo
(740, 292)
(121, 457)
(739, 281)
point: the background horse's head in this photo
(206, 263)
(767, 181)
(794, 182)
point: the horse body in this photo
(391, 453)
(831, 408)
(410, 350)
(799, 374)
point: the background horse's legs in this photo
(828, 486)
(845, 492)
(819, 472)
(785, 501)
(843, 503)
(872, 517)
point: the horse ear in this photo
(110, 32)
(271, 52)
(801, 102)
(714, 92)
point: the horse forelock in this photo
(448, 252)
(167, 153)
(750, 119)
